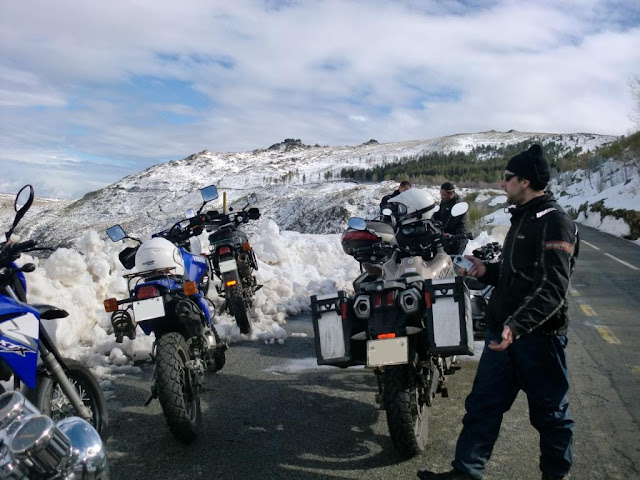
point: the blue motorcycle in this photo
(57, 386)
(168, 297)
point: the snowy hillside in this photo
(288, 177)
(296, 240)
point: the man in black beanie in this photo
(526, 328)
(451, 225)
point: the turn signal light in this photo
(110, 305)
(230, 283)
(189, 288)
(246, 246)
(386, 335)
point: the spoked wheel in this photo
(406, 414)
(239, 310)
(51, 400)
(177, 391)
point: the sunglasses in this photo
(508, 176)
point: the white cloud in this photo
(309, 70)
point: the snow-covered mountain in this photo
(292, 180)
(294, 197)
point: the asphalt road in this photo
(271, 413)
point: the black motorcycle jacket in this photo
(451, 225)
(532, 280)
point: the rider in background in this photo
(403, 187)
(451, 225)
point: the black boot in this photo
(451, 475)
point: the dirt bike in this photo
(233, 261)
(168, 298)
(407, 319)
(58, 387)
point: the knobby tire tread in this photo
(397, 401)
(171, 354)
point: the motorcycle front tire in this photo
(51, 401)
(406, 417)
(178, 396)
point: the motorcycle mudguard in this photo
(19, 336)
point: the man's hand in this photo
(478, 269)
(507, 339)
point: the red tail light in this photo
(343, 310)
(377, 300)
(390, 298)
(147, 291)
(427, 299)
(224, 250)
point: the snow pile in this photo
(292, 267)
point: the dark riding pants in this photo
(536, 364)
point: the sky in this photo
(93, 91)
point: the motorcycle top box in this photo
(332, 328)
(449, 321)
(360, 243)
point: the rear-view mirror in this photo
(209, 193)
(357, 223)
(189, 213)
(459, 209)
(116, 233)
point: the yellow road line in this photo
(607, 334)
(588, 311)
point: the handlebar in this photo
(12, 251)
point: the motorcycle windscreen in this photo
(19, 346)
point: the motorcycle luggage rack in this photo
(150, 273)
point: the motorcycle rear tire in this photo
(51, 401)
(239, 309)
(406, 417)
(178, 396)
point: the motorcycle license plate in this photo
(390, 351)
(148, 309)
(228, 266)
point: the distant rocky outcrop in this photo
(371, 142)
(288, 144)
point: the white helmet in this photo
(413, 205)
(159, 253)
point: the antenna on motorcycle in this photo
(224, 202)
(21, 210)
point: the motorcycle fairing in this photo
(195, 265)
(19, 336)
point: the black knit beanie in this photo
(531, 165)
